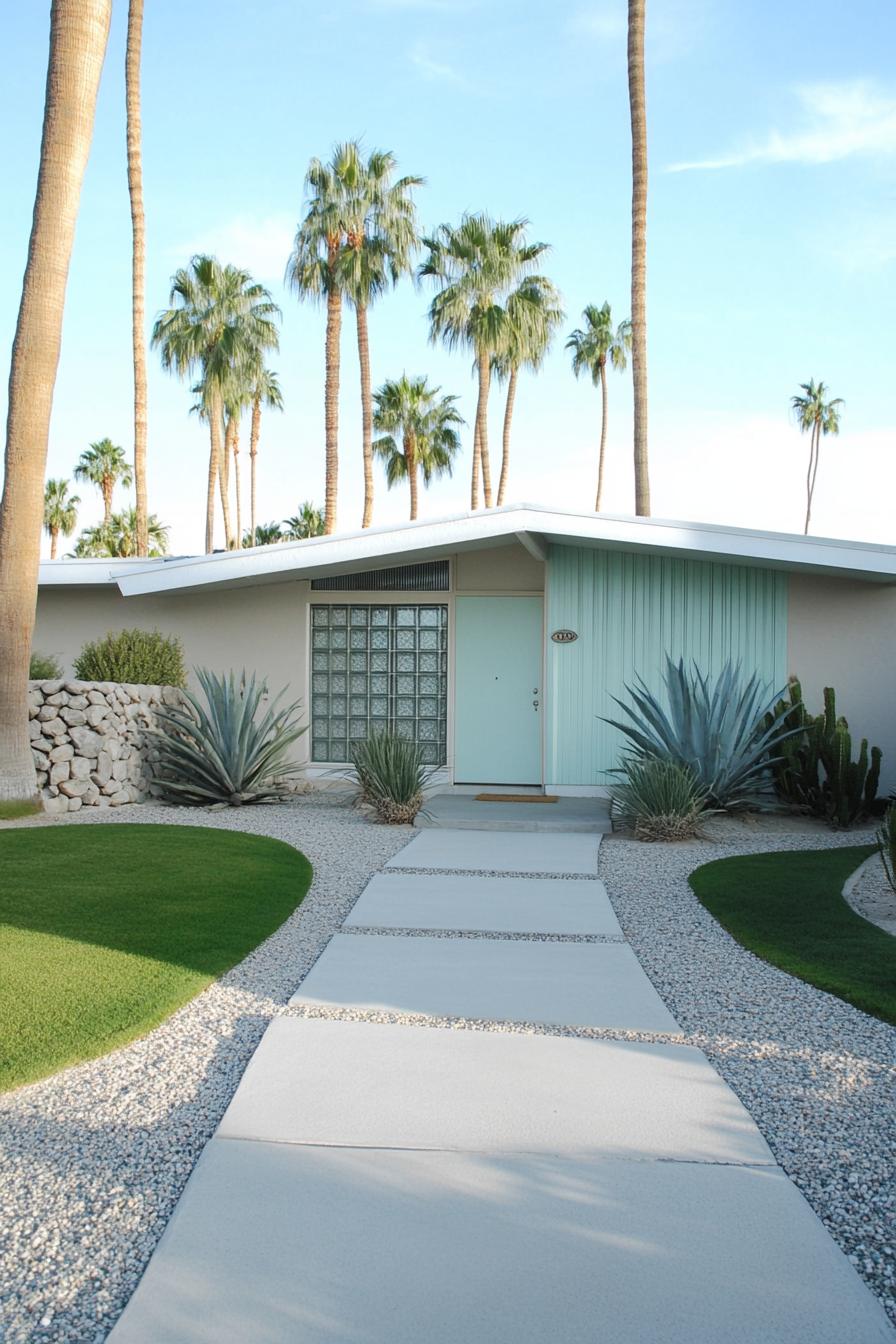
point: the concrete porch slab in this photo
(495, 904)
(359, 1084)
(463, 812)
(500, 852)
(284, 1244)
(567, 984)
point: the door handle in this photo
(535, 704)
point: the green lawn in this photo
(789, 910)
(106, 930)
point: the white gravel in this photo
(94, 1159)
(871, 896)
(817, 1075)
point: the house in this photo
(499, 638)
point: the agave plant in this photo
(232, 749)
(392, 776)
(718, 731)
(658, 799)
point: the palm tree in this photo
(220, 321)
(60, 512)
(476, 265)
(313, 271)
(381, 237)
(308, 522)
(265, 391)
(138, 261)
(817, 417)
(103, 464)
(79, 30)
(118, 538)
(419, 433)
(534, 311)
(638, 110)
(265, 534)
(591, 346)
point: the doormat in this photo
(515, 798)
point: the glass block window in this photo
(378, 667)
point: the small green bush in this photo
(658, 799)
(44, 667)
(391, 776)
(139, 657)
(886, 844)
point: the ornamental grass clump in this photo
(718, 730)
(233, 749)
(135, 657)
(658, 799)
(392, 776)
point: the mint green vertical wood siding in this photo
(629, 610)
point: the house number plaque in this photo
(564, 636)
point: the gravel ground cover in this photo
(93, 1160)
(817, 1075)
(871, 895)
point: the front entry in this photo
(498, 690)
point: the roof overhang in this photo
(534, 527)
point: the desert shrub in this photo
(886, 844)
(44, 667)
(816, 771)
(230, 749)
(658, 799)
(716, 730)
(391, 775)
(141, 657)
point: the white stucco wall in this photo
(842, 633)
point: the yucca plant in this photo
(232, 749)
(392, 776)
(717, 730)
(658, 799)
(886, 844)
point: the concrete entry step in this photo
(359, 1084)
(485, 904)
(501, 852)
(465, 812)
(562, 983)
(285, 1244)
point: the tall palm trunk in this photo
(814, 444)
(480, 441)
(505, 453)
(107, 490)
(603, 435)
(79, 30)
(224, 481)
(366, 413)
(477, 458)
(214, 463)
(331, 397)
(410, 455)
(254, 435)
(138, 263)
(236, 484)
(54, 541)
(638, 109)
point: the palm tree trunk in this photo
(603, 435)
(331, 405)
(505, 454)
(410, 453)
(108, 489)
(138, 262)
(224, 481)
(485, 377)
(79, 30)
(254, 435)
(477, 458)
(366, 413)
(810, 474)
(214, 458)
(54, 541)
(638, 109)
(236, 484)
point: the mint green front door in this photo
(498, 701)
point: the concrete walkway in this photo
(478, 1122)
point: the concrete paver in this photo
(493, 904)
(500, 852)
(564, 983)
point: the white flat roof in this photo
(533, 525)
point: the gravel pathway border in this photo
(93, 1159)
(817, 1075)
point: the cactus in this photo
(817, 771)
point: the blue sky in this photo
(772, 233)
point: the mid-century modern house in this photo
(500, 637)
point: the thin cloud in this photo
(259, 243)
(429, 68)
(840, 121)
